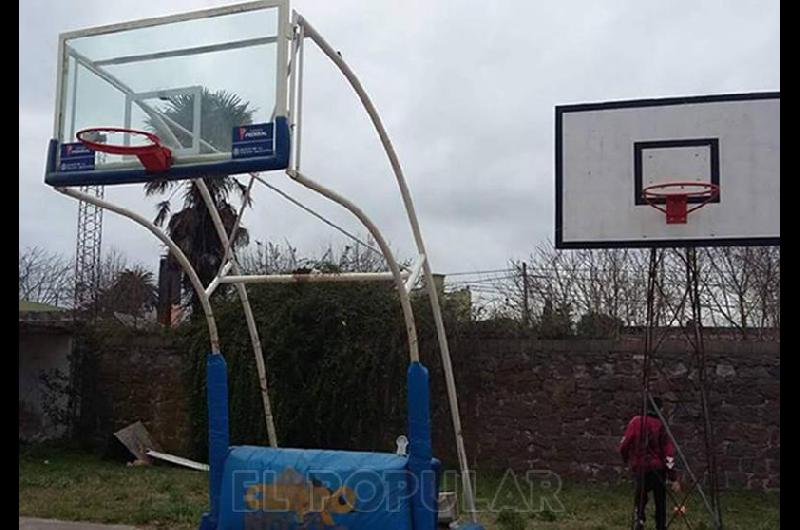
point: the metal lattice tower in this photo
(706, 483)
(87, 252)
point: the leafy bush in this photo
(555, 322)
(336, 357)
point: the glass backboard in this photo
(211, 84)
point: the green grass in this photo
(62, 484)
(76, 486)
(585, 506)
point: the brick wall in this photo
(563, 405)
(559, 405)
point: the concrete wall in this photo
(41, 351)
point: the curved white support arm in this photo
(416, 270)
(309, 31)
(236, 223)
(241, 290)
(213, 335)
(405, 302)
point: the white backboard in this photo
(607, 152)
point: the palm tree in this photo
(132, 292)
(191, 227)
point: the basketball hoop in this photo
(154, 157)
(676, 197)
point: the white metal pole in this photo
(180, 17)
(74, 101)
(344, 277)
(412, 217)
(184, 52)
(241, 290)
(284, 36)
(62, 63)
(299, 127)
(184, 262)
(236, 223)
(292, 88)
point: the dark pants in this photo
(654, 481)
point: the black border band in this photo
(713, 169)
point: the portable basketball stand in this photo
(256, 487)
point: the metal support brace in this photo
(313, 277)
(416, 271)
(241, 290)
(218, 279)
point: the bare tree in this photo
(269, 258)
(767, 270)
(113, 263)
(740, 286)
(273, 258)
(360, 258)
(45, 277)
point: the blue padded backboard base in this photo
(279, 159)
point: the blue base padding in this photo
(470, 526)
(271, 488)
(205, 522)
(97, 177)
(218, 438)
(420, 452)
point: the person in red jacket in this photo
(650, 454)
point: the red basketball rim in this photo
(660, 191)
(119, 149)
(154, 157)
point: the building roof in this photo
(37, 316)
(26, 306)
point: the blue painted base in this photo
(279, 159)
(248, 485)
(205, 522)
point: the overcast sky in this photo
(466, 90)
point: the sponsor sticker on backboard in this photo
(76, 157)
(253, 140)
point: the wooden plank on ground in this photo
(178, 460)
(138, 441)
